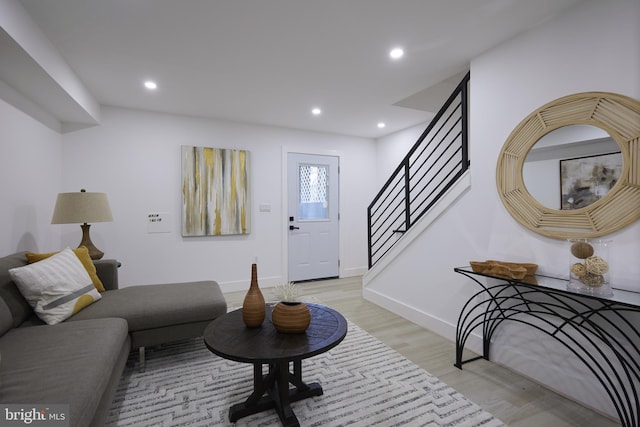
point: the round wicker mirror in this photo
(619, 116)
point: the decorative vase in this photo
(253, 307)
(589, 266)
(291, 317)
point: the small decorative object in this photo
(290, 315)
(589, 267)
(253, 307)
(509, 270)
(578, 269)
(287, 292)
(593, 280)
(582, 250)
(529, 266)
(596, 265)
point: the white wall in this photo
(588, 33)
(134, 157)
(593, 47)
(30, 177)
(393, 148)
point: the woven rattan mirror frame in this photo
(617, 114)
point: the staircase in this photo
(437, 161)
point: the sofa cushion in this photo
(155, 306)
(19, 307)
(6, 320)
(68, 363)
(83, 255)
(56, 287)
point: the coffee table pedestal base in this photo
(272, 391)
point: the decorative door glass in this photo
(313, 199)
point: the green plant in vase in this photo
(290, 315)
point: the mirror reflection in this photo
(572, 167)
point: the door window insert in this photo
(313, 197)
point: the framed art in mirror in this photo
(585, 180)
(619, 116)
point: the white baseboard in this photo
(243, 285)
(270, 282)
(423, 319)
(353, 271)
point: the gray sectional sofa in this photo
(79, 362)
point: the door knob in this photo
(293, 227)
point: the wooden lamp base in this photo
(94, 252)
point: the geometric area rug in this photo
(365, 383)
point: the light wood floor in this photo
(510, 397)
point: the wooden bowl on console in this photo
(531, 268)
(502, 269)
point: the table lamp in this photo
(82, 208)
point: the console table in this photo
(601, 332)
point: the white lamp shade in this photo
(81, 207)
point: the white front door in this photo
(312, 192)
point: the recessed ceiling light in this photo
(396, 53)
(316, 111)
(381, 125)
(151, 85)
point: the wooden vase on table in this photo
(291, 317)
(253, 307)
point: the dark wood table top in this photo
(228, 337)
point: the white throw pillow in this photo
(56, 287)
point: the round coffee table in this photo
(228, 337)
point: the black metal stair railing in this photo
(434, 163)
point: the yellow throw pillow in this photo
(57, 287)
(83, 255)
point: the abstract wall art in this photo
(215, 191)
(585, 180)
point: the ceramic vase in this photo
(253, 307)
(291, 317)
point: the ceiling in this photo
(271, 61)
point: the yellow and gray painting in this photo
(215, 191)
